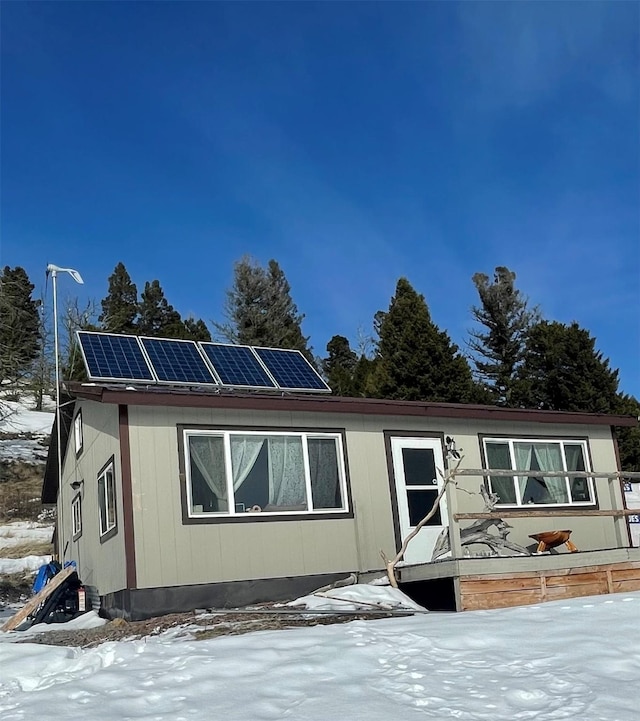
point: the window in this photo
(235, 473)
(76, 516)
(77, 433)
(107, 499)
(539, 456)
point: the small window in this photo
(532, 458)
(76, 516)
(107, 500)
(77, 433)
(235, 473)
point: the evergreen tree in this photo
(563, 371)
(499, 347)
(628, 437)
(156, 317)
(19, 324)
(339, 366)
(259, 309)
(196, 330)
(416, 360)
(120, 307)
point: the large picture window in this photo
(235, 473)
(536, 457)
(107, 500)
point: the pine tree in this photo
(259, 309)
(156, 317)
(563, 371)
(196, 330)
(120, 307)
(416, 360)
(19, 324)
(628, 437)
(339, 366)
(499, 348)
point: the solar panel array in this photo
(133, 359)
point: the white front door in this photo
(417, 463)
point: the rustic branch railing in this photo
(631, 476)
(503, 513)
(540, 514)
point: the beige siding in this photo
(588, 533)
(99, 564)
(169, 552)
(189, 554)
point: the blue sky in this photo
(353, 142)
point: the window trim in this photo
(111, 531)
(511, 439)
(76, 515)
(338, 434)
(78, 433)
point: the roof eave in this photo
(335, 404)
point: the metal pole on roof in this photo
(53, 270)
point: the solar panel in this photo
(177, 361)
(236, 365)
(114, 357)
(291, 369)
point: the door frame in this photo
(421, 435)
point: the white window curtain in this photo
(207, 452)
(549, 458)
(286, 472)
(523, 453)
(244, 453)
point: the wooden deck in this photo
(500, 582)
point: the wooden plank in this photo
(631, 476)
(593, 589)
(626, 585)
(549, 513)
(575, 579)
(609, 581)
(625, 574)
(481, 601)
(499, 576)
(499, 585)
(33, 603)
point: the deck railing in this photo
(533, 512)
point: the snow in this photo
(16, 418)
(18, 532)
(17, 565)
(560, 660)
(357, 597)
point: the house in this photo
(175, 498)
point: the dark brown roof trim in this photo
(333, 404)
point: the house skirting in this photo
(142, 603)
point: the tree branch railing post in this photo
(391, 563)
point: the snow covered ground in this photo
(562, 660)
